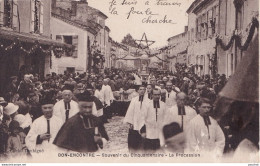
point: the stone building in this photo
(177, 49)
(219, 20)
(25, 39)
(84, 27)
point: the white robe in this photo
(198, 139)
(146, 97)
(107, 94)
(98, 94)
(170, 99)
(38, 127)
(59, 109)
(135, 113)
(153, 127)
(138, 80)
(172, 115)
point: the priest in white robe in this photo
(153, 120)
(170, 96)
(43, 130)
(108, 97)
(203, 133)
(133, 118)
(180, 113)
(66, 108)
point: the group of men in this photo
(154, 122)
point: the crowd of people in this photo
(69, 111)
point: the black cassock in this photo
(77, 134)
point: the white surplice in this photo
(172, 115)
(170, 99)
(135, 112)
(59, 109)
(154, 125)
(38, 127)
(200, 139)
(107, 94)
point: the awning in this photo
(31, 38)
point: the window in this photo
(210, 22)
(73, 40)
(37, 16)
(67, 39)
(8, 13)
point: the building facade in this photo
(203, 27)
(237, 18)
(25, 39)
(84, 27)
(177, 49)
(216, 31)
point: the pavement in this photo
(117, 132)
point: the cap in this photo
(171, 130)
(85, 96)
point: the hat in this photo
(67, 87)
(3, 102)
(48, 98)
(23, 120)
(89, 86)
(20, 118)
(13, 77)
(85, 96)
(171, 130)
(10, 109)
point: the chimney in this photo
(185, 28)
(53, 4)
(73, 8)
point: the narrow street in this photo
(117, 132)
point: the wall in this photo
(59, 27)
(201, 50)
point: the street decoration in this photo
(58, 51)
(236, 38)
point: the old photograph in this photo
(127, 81)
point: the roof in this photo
(176, 36)
(89, 26)
(192, 6)
(96, 11)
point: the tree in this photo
(129, 40)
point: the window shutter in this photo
(15, 14)
(32, 15)
(41, 17)
(59, 38)
(216, 18)
(1, 12)
(75, 44)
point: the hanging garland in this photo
(58, 51)
(235, 37)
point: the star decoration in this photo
(147, 42)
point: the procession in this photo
(83, 92)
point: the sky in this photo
(138, 12)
